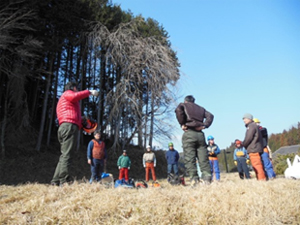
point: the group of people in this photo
(192, 118)
(258, 151)
(149, 163)
(96, 155)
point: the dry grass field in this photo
(231, 201)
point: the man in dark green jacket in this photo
(193, 119)
(124, 165)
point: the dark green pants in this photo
(67, 137)
(194, 145)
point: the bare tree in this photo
(147, 64)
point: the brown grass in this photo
(231, 201)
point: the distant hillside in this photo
(286, 138)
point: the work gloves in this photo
(94, 93)
(248, 161)
(120, 167)
(235, 163)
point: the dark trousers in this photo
(67, 137)
(174, 167)
(97, 169)
(243, 168)
(194, 146)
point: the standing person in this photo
(241, 159)
(70, 122)
(172, 158)
(124, 166)
(149, 163)
(96, 155)
(265, 156)
(213, 151)
(253, 144)
(193, 119)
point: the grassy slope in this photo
(231, 201)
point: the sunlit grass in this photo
(231, 201)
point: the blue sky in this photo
(236, 56)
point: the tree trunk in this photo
(3, 127)
(151, 121)
(40, 137)
(146, 121)
(51, 119)
(100, 116)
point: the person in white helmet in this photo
(149, 163)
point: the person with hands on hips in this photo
(193, 119)
(124, 164)
(149, 162)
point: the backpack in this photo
(155, 184)
(107, 179)
(141, 184)
(175, 180)
(123, 183)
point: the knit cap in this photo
(248, 116)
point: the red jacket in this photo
(68, 107)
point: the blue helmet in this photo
(210, 138)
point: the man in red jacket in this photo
(69, 118)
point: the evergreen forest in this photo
(128, 59)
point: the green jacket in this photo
(124, 161)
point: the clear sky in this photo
(236, 56)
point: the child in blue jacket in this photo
(241, 159)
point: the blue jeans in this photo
(243, 168)
(214, 165)
(268, 165)
(96, 169)
(174, 167)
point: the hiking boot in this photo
(194, 181)
(54, 184)
(206, 180)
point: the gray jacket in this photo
(253, 140)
